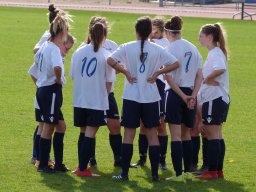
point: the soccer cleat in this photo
(93, 162)
(120, 177)
(138, 163)
(155, 178)
(201, 170)
(179, 178)
(220, 174)
(45, 169)
(163, 166)
(33, 160)
(86, 173)
(188, 176)
(208, 175)
(61, 168)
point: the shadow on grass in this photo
(69, 182)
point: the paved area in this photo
(210, 11)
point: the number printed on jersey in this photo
(188, 55)
(143, 67)
(40, 61)
(88, 67)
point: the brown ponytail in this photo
(218, 34)
(174, 25)
(97, 35)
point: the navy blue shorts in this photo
(133, 112)
(89, 117)
(215, 112)
(176, 111)
(112, 113)
(50, 100)
(161, 88)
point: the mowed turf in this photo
(21, 28)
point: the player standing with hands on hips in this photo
(142, 60)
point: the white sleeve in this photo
(218, 63)
(200, 61)
(110, 74)
(43, 39)
(167, 58)
(119, 54)
(33, 70)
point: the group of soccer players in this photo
(165, 82)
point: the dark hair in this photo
(159, 23)
(174, 24)
(97, 35)
(143, 27)
(52, 12)
(94, 20)
(217, 32)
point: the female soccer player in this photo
(142, 60)
(113, 122)
(214, 96)
(49, 93)
(45, 37)
(156, 36)
(180, 98)
(91, 74)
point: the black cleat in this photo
(93, 162)
(138, 163)
(45, 170)
(61, 168)
(155, 178)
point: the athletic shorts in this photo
(89, 117)
(133, 112)
(215, 112)
(50, 100)
(176, 110)
(112, 113)
(161, 88)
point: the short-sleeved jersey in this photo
(44, 38)
(216, 60)
(90, 72)
(154, 57)
(47, 58)
(190, 61)
(163, 42)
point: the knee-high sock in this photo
(187, 148)
(116, 145)
(58, 147)
(143, 147)
(213, 154)
(205, 151)
(34, 151)
(93, 156)
(176, 153)
(44, 151)
(163, 140)
(79, 146)
(127, 151)
(37, 140)
(154, 159)
(196, 149)
(86, 154)
(222, 154)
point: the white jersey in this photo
(190, 62)
(216, 60)
(46, 36)
(163, 42)
(154, 57)
(90, 72)
(47, 58)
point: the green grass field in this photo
(21, 28)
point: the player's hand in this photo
(58, 81)
(191, 103)
(153, 78)
(129, 77)
(211, 82)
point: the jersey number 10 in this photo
(90, 68)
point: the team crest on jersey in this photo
(51, 118)
(209, 119)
